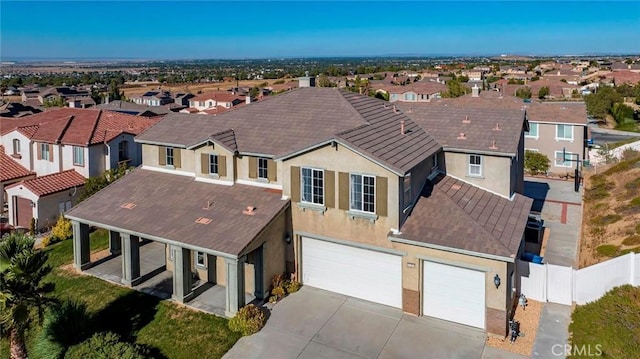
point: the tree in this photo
(456, 89)
(323, 81)
(544, 92)
(536, 162)
(114, 91)
(523, 92)
(22, 290)
(64, 325)
(622, 113)
(95, 184)
(600, 103)
(107, 345)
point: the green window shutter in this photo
(204, 163)
(253, 167)
(343, 191)
(272, 171)
(222, 166)
(176, 158)
(295, 184)
(162, 155)
(330, 189)
(381, 196)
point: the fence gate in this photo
(559, 284)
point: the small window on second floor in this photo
(169, 156)
(363, 193)
(44, 152)
(262, 168)
(213, 164)
(312, 186)
(533, 130)
(16, 146)
(406, 186)
(123, 151)
(78, 156)
(475, 165)
(200, 259)
(564, 132)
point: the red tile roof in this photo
(10, 169)
(72, 126)
(52, 183)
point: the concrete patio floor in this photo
(314, 323)
(158, 281)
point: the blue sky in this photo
(241, 29)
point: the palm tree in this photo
(22, 271)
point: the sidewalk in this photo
(553, 331)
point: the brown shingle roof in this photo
(10, 169)
(52, 183)
(167, 206)
(220, 96)
(458, 215)
(282, 125)
(447, 124)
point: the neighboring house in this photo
(134, 109)
(473, 75)
(62, 92)
(17, 109)
(43, 198)
(420, 91)
(344, 190)
(153, 98)
(214, 99)
(182, 99)
(10, 172)
(88, 141)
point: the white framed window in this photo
(64, 206)
(200, 259)
(78, 156)
(406, 187)
(123, 150)
(312, 188)
(363, 193)
(169, 156)
(172, 251)
(564, 132)
(563, 162)
(213, 164)
(262, 168)
(44, 152)
(16, 146)
(475, 165)
(531, 149)
(533, 130)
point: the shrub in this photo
(62, 230)
(249, 320)
(608, 250)
(635, 202)
(622, 166)
(32, 226)
(632, 240)
(278, 292)
(599, 188)
(292, 286)
(107, 346)
(536, 162)
(638, 228)
(64, 326)
(629, 250)
(630, 154)
(605, 220)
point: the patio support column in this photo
(130, 259)
(81, 247)
(235, 286)
(115, 243)
(259, 272)
(212, 270)
(181, 274)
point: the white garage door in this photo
(454, 294)
(355, 272)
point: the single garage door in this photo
(453, 293)
(360, 273)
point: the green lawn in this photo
(173, 331)
(613, 322)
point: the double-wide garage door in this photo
(453, 293)
(356, 272)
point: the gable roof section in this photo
(167, 206)
(10, 169)
(485, 125)
(52, 183)
(301, 119)
(458, 215)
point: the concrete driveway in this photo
(318, 324)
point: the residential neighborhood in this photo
(413, 180)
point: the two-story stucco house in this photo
(52, 143)
(347, 192)
(211, 100)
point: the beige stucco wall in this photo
(218, 150)
(150, 156)
(334, 222)
(495, 171)
(547, 144)
(412, 277)
(242, 172)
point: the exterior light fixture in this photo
(496, 281)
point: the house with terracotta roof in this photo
(419, 91)
(214, 99)
(347, 192)
(10, 172)
(43, 198)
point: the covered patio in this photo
(212, 257)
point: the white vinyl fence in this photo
(564, 285)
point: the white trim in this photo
(259, 184)
(450, 262)
(168, 170)
(555, 159)
(213, 181)
(204, 259)
(470, 165)
(451, 249)
(370, 247)
(375, 195)
(312, 169)
(537, 135)
(563, 123)
(266, 167)
(571, 139)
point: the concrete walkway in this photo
(318, 324)
(553, 331)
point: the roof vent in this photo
(203, 220)
(462, 136)
(466, 119)
(455, 187)
(128, 205)
(402, 132)
(249, 211)
(208, 206)
(395, 110)
(493, 146)
(497, 128)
